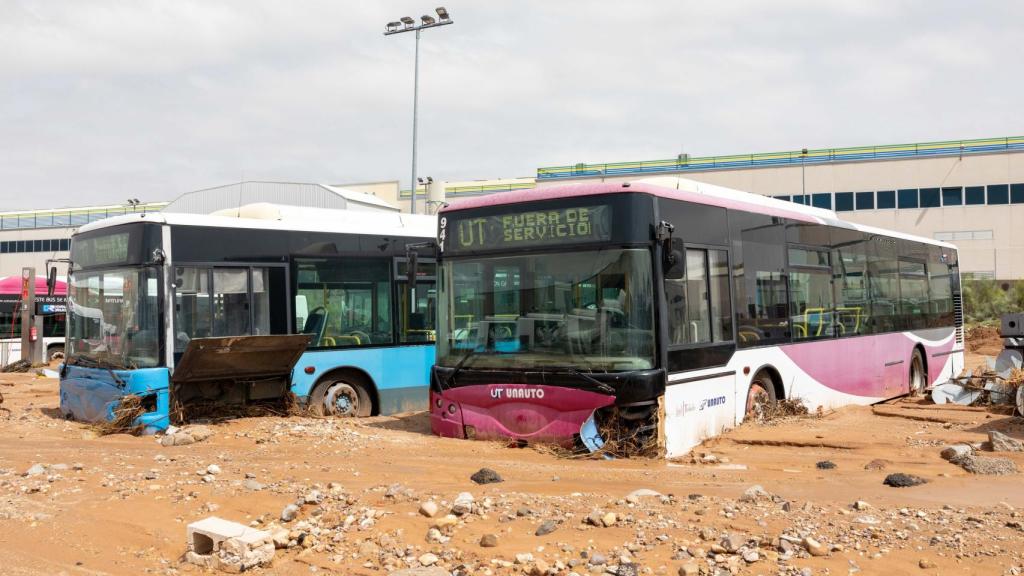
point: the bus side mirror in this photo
(51, 281)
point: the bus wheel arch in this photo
(354, 378)
(918, 373)
(54, 352)
(764, 387)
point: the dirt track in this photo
(125, 510)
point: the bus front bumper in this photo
(531, 413)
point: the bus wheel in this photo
(760, 397)
(918, 375)
(342, 399)
(55, 353)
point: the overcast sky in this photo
(105, 100)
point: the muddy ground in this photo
(75, 503)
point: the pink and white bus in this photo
(679, 307)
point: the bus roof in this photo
(264, 216)
(688, 190)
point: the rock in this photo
(280, 538)
(430, 571)
(689, 569)
(546, 527)
(429, 509)
(1002, 443)
(213, 469)
(877, 464)
(598, 559)
(312, 497)
(289, 513)
(609, 519)
(926, 564)
(198, 432)
(751, 556)
(825, 465)
(861, 505)
(524, 558)
(486, 476)
(813, 547)
(635, 496)
(463, 504)
(428, 559)
(436, 537)
(35, 470)
(707, 533)
(901, 480)
(446, 521)
(732, 542)
(253, 485)
(488, 541)
(988, 465)
(539, 568)
(955, 452)
(755, 493)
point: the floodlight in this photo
(430, 180)
(393, 26)
(442, 13)
(427, 20)
(420, 180)
(407, 21)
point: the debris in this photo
(228, 546)
(289, 513)
(17, 366)
(814, 548)
(431, 571)
(429, 509)
(1002, 443)
(486, 476)
(877, 464)
(546, 527)
(825, 465)
(861, 505)
(901, 480)
(124, 416)
(926, 564)
(488, 541)
(955, 452)
(35, 470)
(463, 504)
(635, 496)
(755, 493)
(987, 465)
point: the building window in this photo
(3, 247)
(930, 198)
(804, 199)
(998, 194)
(886, 199)
(908, 198)
(1017, 193)
(822, 200)
(65, 244)
(952, 196)
(865, 200)
(974, 195)
(844, 201)
(786, 198)
(961, 235)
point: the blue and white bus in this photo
(143, 286)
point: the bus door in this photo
(212, 301)
(417, 314)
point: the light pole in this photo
(407, 24)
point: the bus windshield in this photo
(112, 318)
(591, 309)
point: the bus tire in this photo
(760, 395)
(54, 353)
(918, 373)
(342, 399)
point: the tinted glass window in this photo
(192, 306)
(844, 201)
(759, 283)
(1017, 193)
(908, 198)
(65, 244)
(865, 200)
(344, 302)
(822, 200)
(786, 198)
(952, 196)
(849, 268)
(810, 294)
(913, 295)
(886, 199)
(940, 289)
(930, 198)
(37, 245)
(419, 325)
(883, 280)
(998, 194)
(974, 195)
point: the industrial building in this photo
(969, 192)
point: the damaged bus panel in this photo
(653, 315)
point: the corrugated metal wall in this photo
(233, 195)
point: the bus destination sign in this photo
(524, 229)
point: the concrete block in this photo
(217, 543)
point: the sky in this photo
(105, 100)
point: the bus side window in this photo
(699, 305)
